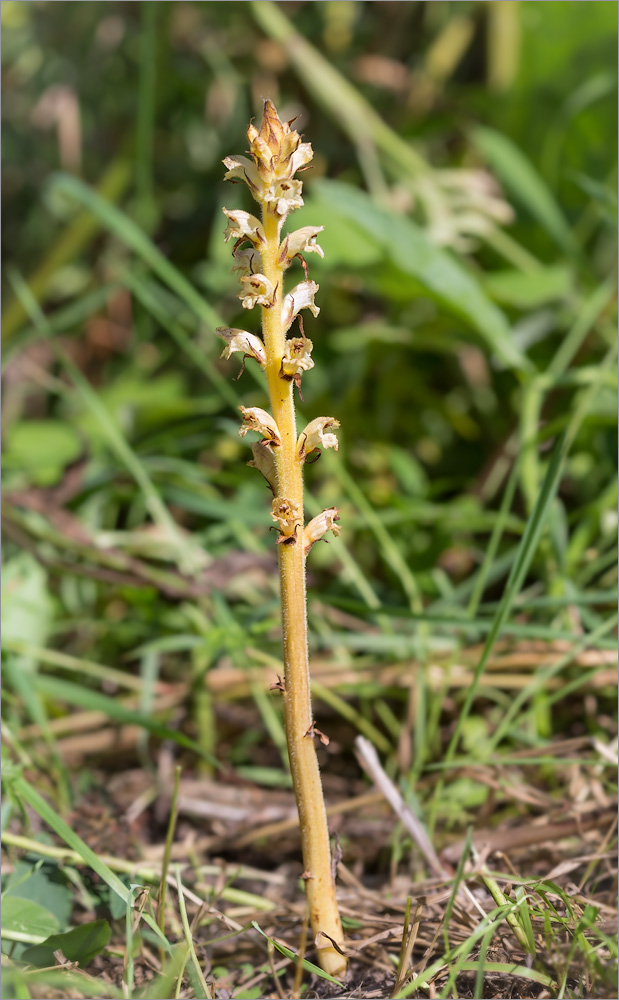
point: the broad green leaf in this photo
(442, 277)
(25, 920)
(522, 180)
(78, 945)
(44, 885)
(528, 290)
(347, 243)
(27, 607)
(41, 449)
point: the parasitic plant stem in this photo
(262, 257)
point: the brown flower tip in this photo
(272, 129)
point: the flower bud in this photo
(277, 149)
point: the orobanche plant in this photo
(262, 255)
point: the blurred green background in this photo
(465, 172)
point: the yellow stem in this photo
(320, 886)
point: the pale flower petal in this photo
(242, 225)
(264, 462)
(317, 435)
(318, 526)
(243, 169)
(246, 261)
(283, 196)
(301, 156)
(240, 340)
(259, 420)
(256, 289)
(300, 242)
(297, 357)
(301, 297)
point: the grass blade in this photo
(524, 556)
(520, 177)
(24, 791)
(116, 222)
(437, 271)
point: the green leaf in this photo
(521, 178)
(41, 449)
(27, 608)
(22, 790)
(45, 885)
(79, 945)
(25, 920)
(528, 290)
(442, 277)
(347, 243)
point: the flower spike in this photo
(262, 255)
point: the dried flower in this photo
(246, 261)
(243, 226)
(319, 525)
(297, 358)
(301, 297)
(300, 242)
(264, 462)
(256, 290)
(240, 340)
(259, 420)
(315, 436)
(287, 513)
